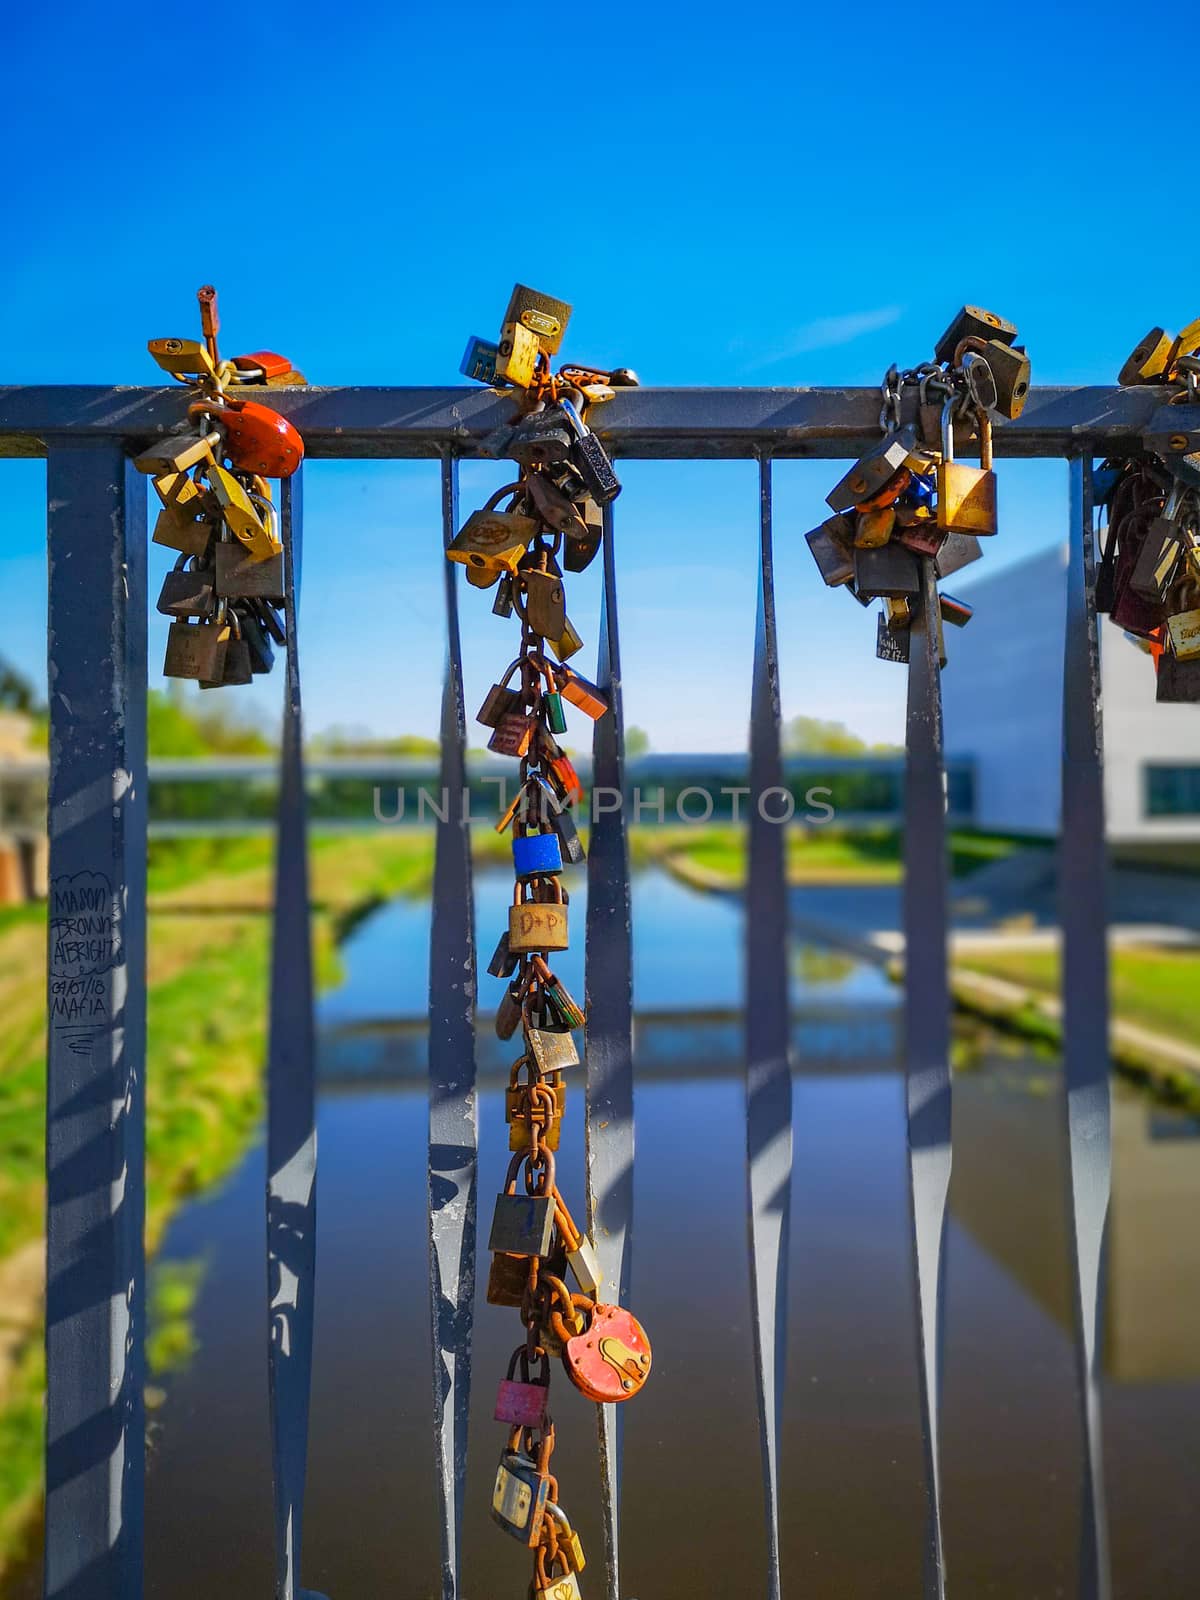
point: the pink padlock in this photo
(521, 1402)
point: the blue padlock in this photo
(479, 360)
(537, 854)
(919, 492)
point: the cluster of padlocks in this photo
(1148, 580)
(910, 496)
(226, 592)
(555, 506)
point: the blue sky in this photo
(762, 198)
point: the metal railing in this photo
(96, 1060)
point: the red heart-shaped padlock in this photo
(610, 1359)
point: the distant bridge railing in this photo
(96, 1058)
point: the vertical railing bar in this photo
(927, 1030)
(1083, 913)
(767, 1029)
(609, 1029)
(453, 1115)
(291, 1105)
(96, 1034)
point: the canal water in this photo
(853, 1512)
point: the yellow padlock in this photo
(241, 516)
(182, 358)
(177, 452)
(517, 354)
(966, 495)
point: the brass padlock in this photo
(1184, 626)
(501, 701)
(177, 452)
(553, 1050)
(235, 665)
(1185, 343)
(569, 1546)
(537, 925)
(873, 471)
(545, 604)
(493, 541)
(240, 577)
(187, 526)
(187, 591)
(241, 515)
(182, 358)
(1010, 370)
(567, 643)
(554, 507)
(544, 316)
(966, 495)
(196, 650)
(874, 528)
(972, 322)
(517, 355)
(1148, 358)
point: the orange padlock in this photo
(260, 366)
(610, 1359)
(256, 439)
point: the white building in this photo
(1002, 692)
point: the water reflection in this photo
(851, 1460)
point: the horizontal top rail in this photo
(358, 423)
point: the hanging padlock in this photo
(570, 1549)
(873, 529)
(553, 1578)
(873, 471)
(545, 607)
(888, 570)
(187, 590)
(517, 355)
(258, 642)
(588, 456)
(1010, 371)
(1159, 550)
(581, 692)
(240, 514)
(534, 925)
(528, 1103)
(501, 701)
(178, 452)
(542, 314)
(508, 1279)
(1178, 682)
(966, 495)
(235, 665)
(182, 358)
(554, 507)
(508, 1013)
(493, 542)
(552, 1049)
(479, 360)
(610, 1359)
(1183, 621)
(536, 855)
(1147, 362)
(513, 735)
(196, 650)
(503, 963)
(972, 322)
(567, 643)
(265, 367)
(239, 576)
(832, 547)
(254, 437)
(523, 1224)
(523, 1402)
(521, 1489)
